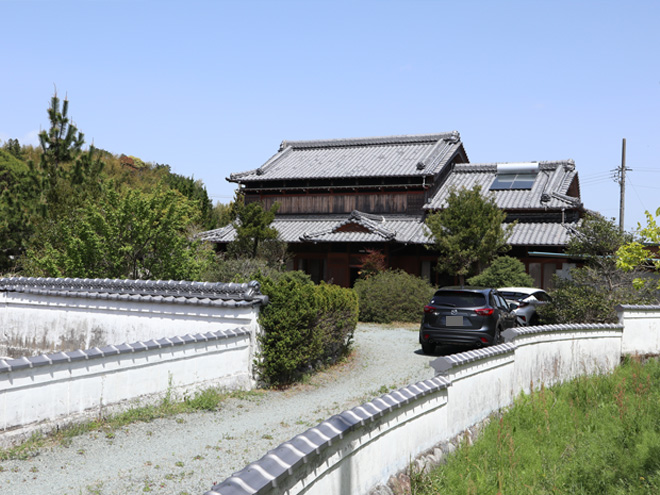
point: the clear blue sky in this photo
(213, 87)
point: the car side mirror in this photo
(512, 307)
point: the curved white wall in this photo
(353, 452)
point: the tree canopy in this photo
(74, 211)
(252, 225)
(468, 233)
(642, 253)
(504, 271)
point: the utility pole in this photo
(620, 177)
(622, 198)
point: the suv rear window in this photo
(458, 299)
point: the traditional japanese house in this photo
(340, 197)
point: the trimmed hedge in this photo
(393, 295)
(305, 326)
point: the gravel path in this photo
(189, 453)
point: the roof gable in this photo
(395, 156)
(371, 226)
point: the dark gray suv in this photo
(470, 316)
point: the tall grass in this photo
(594, 435)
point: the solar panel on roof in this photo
(513, 181)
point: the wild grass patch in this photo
(593, 435)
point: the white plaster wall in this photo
(477, 389)
(478, 385)
(40, 324)
(372, 453)
(59, 393)
(642, 330)
(555, 356)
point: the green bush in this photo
(504, 271)
(304, 326)
(573, 303)
(392, 295)
(590, 297)
(336, 320)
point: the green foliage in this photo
(15, 211)
(221, 214)
(132, 235)
(62, 143)
(392, 295)
(56, 211)
(594, 435)
(468, 232)
(585, 299)
(600, 285)
(195, 191)
(13, 147)
(575, 302)
(305, 326)
(596, 242)
(504, 271)
(252, 224)
(642, 253)
(336, 320)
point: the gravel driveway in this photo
(189, 453)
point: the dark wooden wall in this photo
(309, 204)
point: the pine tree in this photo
(468, 233)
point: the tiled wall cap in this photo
(287, 455)
(303, 444)
(265, 472)
(78, 355)
(94, 352)
(650, 307)
(40, 360)
(65, 357)
(109, 350)
(19, 364)
(232, 486)
(318, 437)
(96, 288)
(124, 348)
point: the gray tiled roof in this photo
(549, 189)
(541, 234)
(384, 228)
(166, 291)
(394, 156)
(337, 228)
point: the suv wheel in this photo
(428, 348)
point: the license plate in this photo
(454, 321)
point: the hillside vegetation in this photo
(67, 210)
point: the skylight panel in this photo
(515, 176)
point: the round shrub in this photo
(392, 295)
(304, 326)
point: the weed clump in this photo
(593, 435)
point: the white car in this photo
(527, 299)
